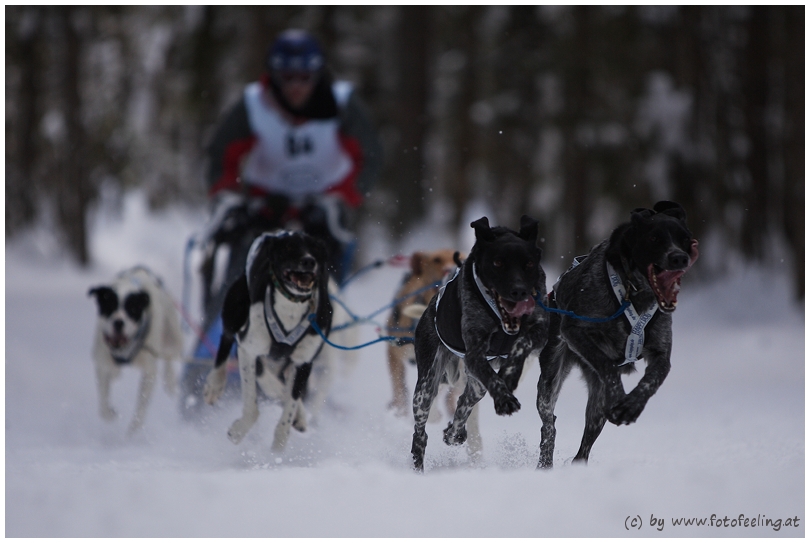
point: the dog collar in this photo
(125, 355)
(635, 341)
(270, 318)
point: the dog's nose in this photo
(308, 263)
(678, 260)
(118, 325)
(519, 293)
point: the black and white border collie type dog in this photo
(137, 325)
(643, 262)
(266, 311)
(487, 316)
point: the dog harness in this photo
(448, 320)
(271, 319)
(635, 341)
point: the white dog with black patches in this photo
(137, 325)
(267, 313)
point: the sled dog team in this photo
(475, 322)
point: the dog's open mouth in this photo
(511, 312)
(302, 281)
(666, 284)
(116, 341)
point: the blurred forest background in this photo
(574, 115)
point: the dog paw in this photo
(300, 422)
(626, 411)
(214, 385)
(455, 438)
(238, 430)
(506, 405)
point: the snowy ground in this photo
(724, 436)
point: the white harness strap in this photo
(635, 341)
(291, 338)
(485, 293)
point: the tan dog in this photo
(427, 268)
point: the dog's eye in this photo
(653, 239)
(437, 260)
(529, 264)
(497, 263)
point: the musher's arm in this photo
(231, 142)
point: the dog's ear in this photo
(106, 298)
(257, 265)
(641, 216)
(673, 209)
(457, 259)
(482, 230)
(416, 263)
(528, 228)
(136, 303)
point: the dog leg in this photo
(169, 378)
(215, 384)
(396, 368)
(145, 390)
(427, 387)
(554, 368)
(282, 432)
(505, 402)
(628, 409)
(456, 432)
(250, 407)
(594, 416)
(293, 413)
(104, 377)
(475, 444)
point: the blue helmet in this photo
(295, 50)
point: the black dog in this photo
(267, 312)
(645, 259)
(486, 315)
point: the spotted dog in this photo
(137, 325)
(487, 316)
(643, 262)
(266, 312)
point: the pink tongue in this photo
(522, 308)
(669, 282)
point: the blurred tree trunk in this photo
(462, 131)
(414, 35)
(794, 137)
(517, 136)
(756, 80)
(72, 192)
(576, 87)
(21, 186)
